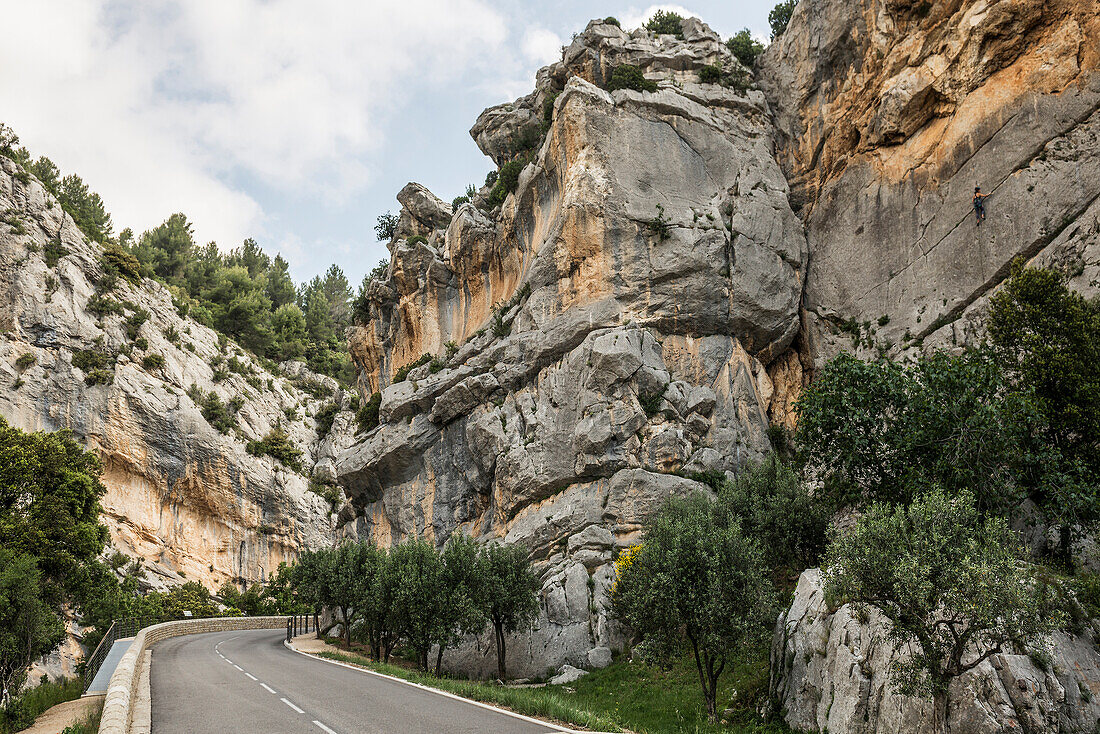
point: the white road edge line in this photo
(269, 688)
(254, 677)
(324, 728)
(513, 714)
(288, 703)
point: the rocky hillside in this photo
(889, 114)
(598, 338)
(168, 406)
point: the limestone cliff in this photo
(183, 498)
(889, 113)
(610, 327)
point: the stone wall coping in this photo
(122, 688)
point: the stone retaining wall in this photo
(121, 691)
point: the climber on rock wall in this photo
(979, 205)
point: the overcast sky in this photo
(291, 121)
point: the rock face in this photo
(890, 113)
(184, 499)
(607, 328)
(830, 672)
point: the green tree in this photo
(380, 582)
(949, 582)
(49, 504)
(463, 610)
(744, 47)
(288, 326)
(510, 594)
(85, 207)
(333, 577)
(386, 227)
(338, 293)
(780, 17)
(696, 574)
(280, 286)
(316, 309)
(168, 248)
(422, 597)
(666, 22)
(28, 626)
(1048, 338)
(887, 431)
(776, 508)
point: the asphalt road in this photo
(248, 682)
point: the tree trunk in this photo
(347, 628)
(439, 661)
(939, 710)
(499, 631)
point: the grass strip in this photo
(526, 701)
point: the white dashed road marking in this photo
(324, 728)
(238, 667)
(268, 688)
(288, 703)
(251, 676)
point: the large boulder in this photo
(831, 672)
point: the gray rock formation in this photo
(184, 499)
(830, 672)
(609, 328)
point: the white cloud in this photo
(634, 18)
(541, 46)
(183, 105)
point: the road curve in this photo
(246, 682)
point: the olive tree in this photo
(463, 609)
(696, 574)
(422, 597)
(510, 594)
(948, 580)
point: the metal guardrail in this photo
(298, 624)
(120, 629)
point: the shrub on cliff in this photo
(628, 76)
(153, 361)
(367, 415)
(506, 181)
(277, 445)
(666, 22)
(710, 74)
(742, 45)
(385, 227)
(780, 17)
